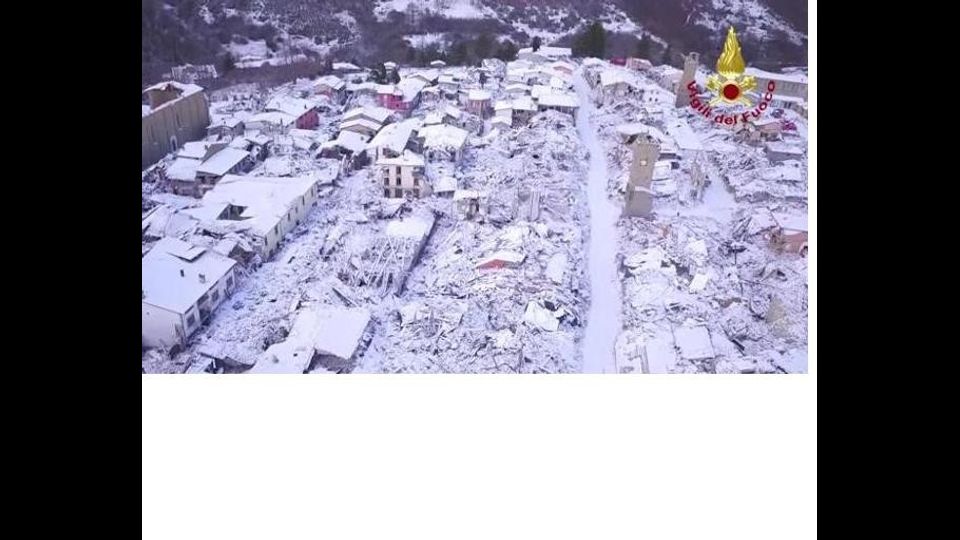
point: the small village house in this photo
(441, 142)
(478, 103)
(361, 126)
(331, 86)
(393, 139)
(226, 161)
(544, 54)
(638, 64)
(564, 103)
(181, 286)
(403, 96)
(786, 84)
(171, 114)
(226, 128)
(615, 83)
(303, 112)
(262, 208)
(523, 109)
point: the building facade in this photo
(173, 114)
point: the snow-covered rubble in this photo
(706, 289)
(502, 292)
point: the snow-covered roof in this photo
(443, 136)
(265, 199)
(540, 90)
(787, 99)
(792, 222)
(549, 52)
(559, 100)
(413, 226)
(395, 136)
(390, 65)
(517, 87)
(447, 79)
(478, 95)
(293, 106)
(195, 149)
(428, 75)
(331, 81)
(166, 86)
(272, 117)
(562, 65)
(377, 114)
(360, 122)
(685, 137)
(612, 76)
(350, 140)
(345, 66)
(502, 104)
(438, 63)
(221, 162)
(184, 90)
(445, 184)
(503, 255)
(462, 194)
(407, 159)
(638, 128)
(693, 342)
(524, 103)
(357, 87)
(227, 122)
(783, 148)
(327, 330)
(161, 280)
(410, 88)
(452, 112)
(183, 169)
(785, 77)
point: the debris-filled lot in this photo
(441, 225)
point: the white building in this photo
(226, 161)
(566, 103)
(181, 286)
(403, 175)
(544, 54)
(265, 208)
(786, 84)
(441, 142)
(393, 139)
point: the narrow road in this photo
(603, 319)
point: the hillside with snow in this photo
(256, 33)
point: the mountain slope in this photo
(252, 32)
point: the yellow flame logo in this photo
(729, 83)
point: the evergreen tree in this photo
(591, 42)
(379, 74)
(483, 79)
(507, 51)
(644, 48)
(484, 46)
(535, 44)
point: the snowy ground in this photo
(603, 319)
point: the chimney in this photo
(203, 278)
(181, 272)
